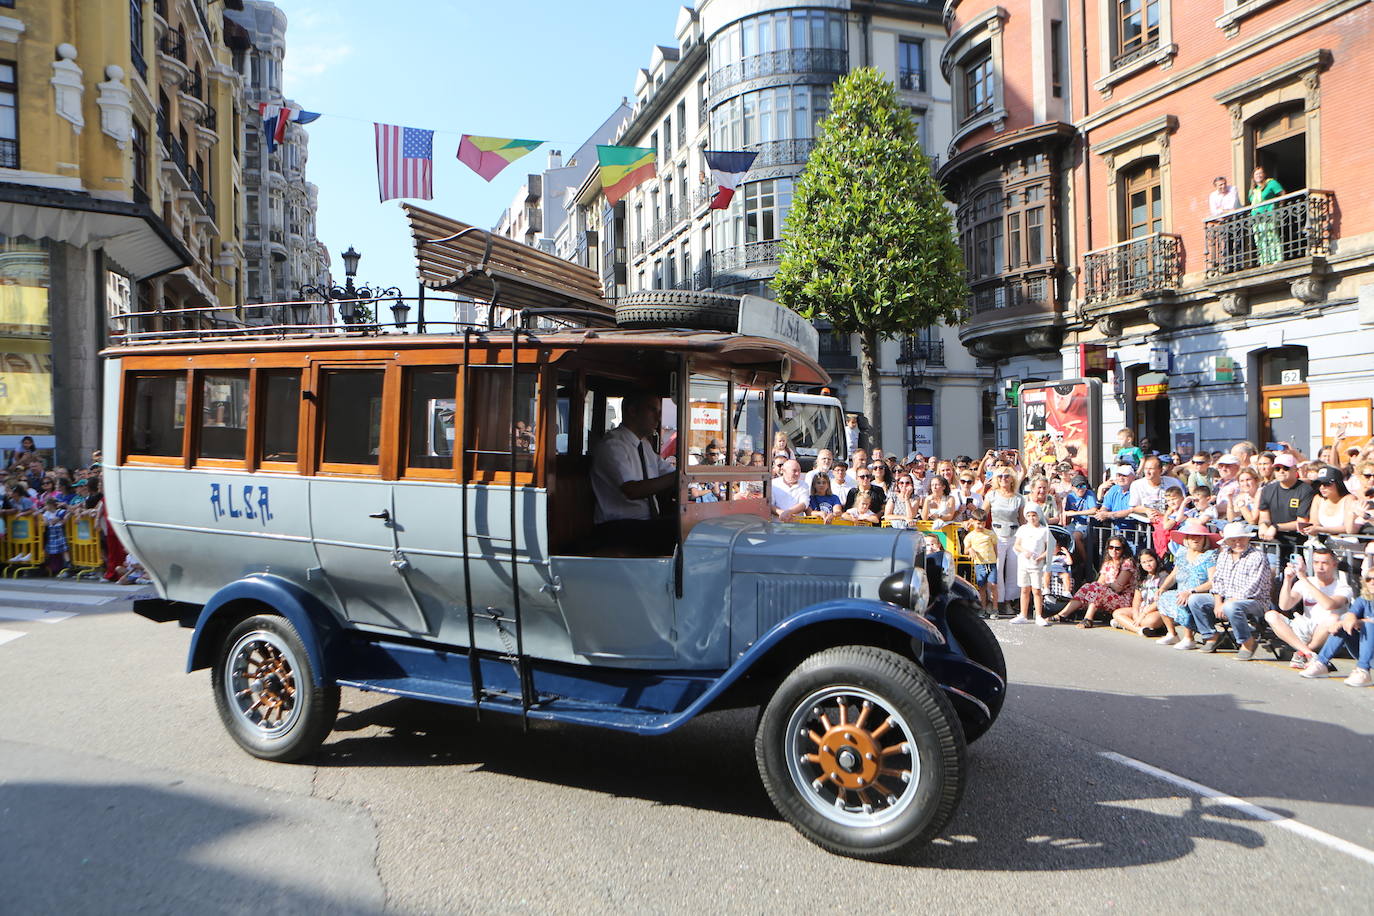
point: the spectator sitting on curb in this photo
(1358, 624)
(1186, 586)
(1323, 595)
(1240, 586)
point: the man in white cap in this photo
(1227, 482)
(1241, 581)
(1284, 502)
(1116, 502)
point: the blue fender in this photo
(312, 620)
(852, 609)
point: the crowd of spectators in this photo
(1223, 548)
(55, 495)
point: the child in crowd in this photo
(862, 510)
(1356, 624)
(1143, 614)
(131, 572)
(935, 549)
(1126, 451)
(55, 536)
(1199, 505)
(823, 503)
(1175, 511)
(981, 546)
(1061, 570)
(1032, 544)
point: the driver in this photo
(628, 477)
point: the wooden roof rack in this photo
(455, 257)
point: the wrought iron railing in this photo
(176, 152)
(800, 60)
(1010, 292)
(668, 221)
(742, 256)
(173, 44)
(1135, 53)
(193, 85)
(209, 120)
(702, 195)
(916, 349)
(9, 154)
(1137, 267)
(704, 277)
(782, 152)
(912, 80)
(703, 112)
(1297, 225)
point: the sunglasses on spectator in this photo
(1116, 546)
(966, 480)
(864, 476)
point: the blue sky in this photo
(513, 68)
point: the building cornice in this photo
(990, 19)
(1164, 124)
(1319, 59)
(1053, 132)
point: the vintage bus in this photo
(411, 514)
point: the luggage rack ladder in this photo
(514, 653)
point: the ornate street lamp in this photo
(354, 302)
(400, 311)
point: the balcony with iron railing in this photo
(1278, 232)
(921, 350)
(176, 157)
(781, 152)
(1013, 314)
(998, 294)
(751, 254)
(1151, 265)
(772, 63)
(911, 80)
(172, 44)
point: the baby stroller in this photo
(1066, 573)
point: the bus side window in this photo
(224, 414)
(156, 411)
(431, 409)
(280, 403)
(352, 416)
(489, 412)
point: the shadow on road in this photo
(1035, 800)
(123, 848)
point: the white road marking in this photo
(9, 636)
(1264, 814)
(34, 614)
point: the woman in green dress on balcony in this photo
(1266, 234)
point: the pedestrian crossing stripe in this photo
(34, 614)
(9, 636)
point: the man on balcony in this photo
(1223, 199)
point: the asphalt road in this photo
(120, 792)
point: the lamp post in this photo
(355, 302)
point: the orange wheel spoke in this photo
(881, 729)
(814, 737)
(812, 758)
(864, 710)
(844, 711)
(892, 749)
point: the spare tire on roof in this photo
(678, 308)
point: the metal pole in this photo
(420, 309)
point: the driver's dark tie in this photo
(644, 469)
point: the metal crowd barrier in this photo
(86, 546)
(22, 547)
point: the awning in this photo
(525, 277)
(131, 234)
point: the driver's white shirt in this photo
(615, 463)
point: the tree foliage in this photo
(869, 243)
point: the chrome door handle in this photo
(553, 587)
(384, 515)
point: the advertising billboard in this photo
(1061, 421)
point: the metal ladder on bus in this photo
(514, 650)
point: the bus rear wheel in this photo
(862, 753)
(266, 694)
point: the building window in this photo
(978, 77)
(138, 140)
(781, 113)
(135, 35)
(911, 65)
(668, 137)
(766, 204)
(1057, 58)
(1142, 210)
(352, 415)
(9, 116)
(1279, 145)
(980, 231)
(1137, 30)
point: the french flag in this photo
(727, 171)
(276, 117)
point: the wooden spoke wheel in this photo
(860, 751)
(266, 693)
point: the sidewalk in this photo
(29, 599)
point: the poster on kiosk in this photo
(1062, 421)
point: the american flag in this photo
(405, 162)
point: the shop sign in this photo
(1151, 392)
(1275, 408)
(1223, 369)
(706, 418)
(1347, 420)
(1092, 358)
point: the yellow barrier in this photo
(86, 546)
(23, 544)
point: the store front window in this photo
(25, 341)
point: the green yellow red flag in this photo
(623, 167)
(487, 156)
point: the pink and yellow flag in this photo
(487, 156)
(623, 167)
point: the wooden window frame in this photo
(257, 392)
(236, 464)
(137, 459)
(385, 468)
(407, 430)
(1120, 47)
(1133, 181)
